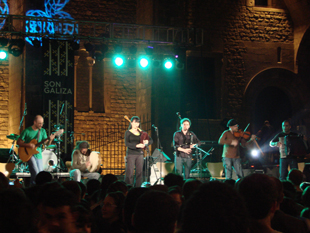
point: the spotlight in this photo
(119, 61)
(149, 50)
(75, 45)
(168, 64)
(98, 56)
(3, 55)
(144, 62)
(4, 42)
(254, 153)
(16, 47)
(89, 47)
(118, 48)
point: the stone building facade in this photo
(249, 48)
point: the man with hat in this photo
(82, 164)
(231, 154)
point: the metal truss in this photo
(28, 26)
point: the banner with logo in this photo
(58, 88)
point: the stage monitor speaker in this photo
(159, 156)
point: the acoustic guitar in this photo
(25, 153)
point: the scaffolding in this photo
(28, 26)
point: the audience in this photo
(256, 203)
(155, 212)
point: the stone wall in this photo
(4, 103)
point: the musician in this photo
(134, 153)
(35, 132)
(285, 157)
(231, 153)
(82, 163)
(184, 141)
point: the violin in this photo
(241, 134)
(246, 135)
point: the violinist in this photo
(82, 163)
(231, 139)
(135, 141)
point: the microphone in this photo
(62, 108)
(178, 113)
(154, 127)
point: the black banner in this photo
(58, 89)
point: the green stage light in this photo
(143, 62)
(119, 61)
(3, 55)
(168, 64)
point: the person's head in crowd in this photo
(304, 185)
(43, 177)
(189, 187)
(118, 186)
(305, 197)
(56, 210)
(173, 179)
(261, 196)
(112, 206)
(73, 187)
(4, 181)
(92, 186)
(230, 182)
(289, 189)
(83, 189)
(176, 193)
(296, 177)
(106, 181)
(279, 187)
(129, 205)
(16, 212)
(217, 207)
(84, 218)
(159, 187)
(155, 211)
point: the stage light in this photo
(168, 64)
(89, 47)
(16, 47)
(4, 42)
(254, 153)
(119, 61)
(143, 62)
(3, 55)
(118, 48)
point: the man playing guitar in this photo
(35, 132)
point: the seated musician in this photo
(82, 163)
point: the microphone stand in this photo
(13, 158)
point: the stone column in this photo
(91, 62)
(76, 59)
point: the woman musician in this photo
(135, 140)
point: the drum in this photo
(49, 160)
